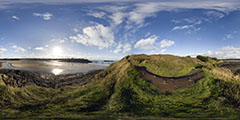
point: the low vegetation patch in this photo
(202, 58)
(166, 65)
(120, 90)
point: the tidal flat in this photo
(52, 67)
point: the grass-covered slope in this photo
(120, 89)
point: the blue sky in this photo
(107, 29)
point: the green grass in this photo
(119, 90)
(166, 65)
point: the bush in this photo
(202, 58)
(214, 58)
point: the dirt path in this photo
(169, 84)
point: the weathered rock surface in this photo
(20, 78)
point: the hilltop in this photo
(137, 85)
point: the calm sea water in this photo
(55, 67)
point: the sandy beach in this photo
(3, 65)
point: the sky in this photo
(112, 29)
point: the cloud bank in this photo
(97, 35)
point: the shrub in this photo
(214, 58)
(202, 58)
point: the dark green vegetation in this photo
(120, 91)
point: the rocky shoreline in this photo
(21, 78)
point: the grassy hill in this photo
(124, 89)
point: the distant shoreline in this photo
(75, 60)
(78, 60)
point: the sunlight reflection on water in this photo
(54, 67)
(57, 63)
(54, 63)
(57, 71)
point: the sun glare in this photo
(57, 51)
(57, 71)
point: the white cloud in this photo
(163, 50)
(18, 49)
(230, 48)
(147, 34)
(166, 43)
(45, 16)
(117, 1)
(39, 48)
(215, 54)
(114, 8)
(75, 30)
(97, 35)
(215, 14)
(118, 48)
(136, 13)
(192, 27)
(118, 17)
(182, 27)
(149, 9)
(15, 17)
(223, 54)
(193, 21)
(189, 20)
(61, 41)
(123, 48)
(176, 21)
(2, 50)
(151, 44)
(147, 43)
(226, 52)
(118, 13)
(229, 36)
(143, 11)
(127, 48)
(96, 14)
(162, 5)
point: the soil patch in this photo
(169, 84)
